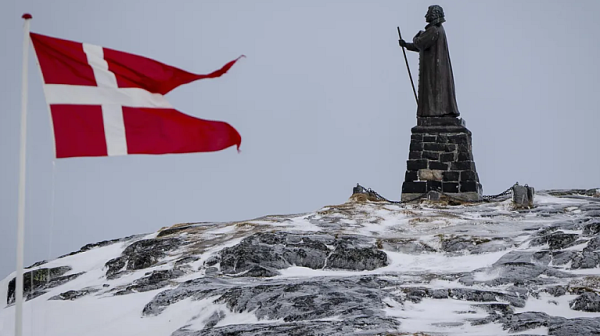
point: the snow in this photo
(438, 263)
(440, 316)
(554, 306)
(102, 313)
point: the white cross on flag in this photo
(105, 102)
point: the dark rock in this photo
(154, 280)
(438, 165)
(451, 176)
(560, 240)
(141, 254)
(73, 294)
(429, 138)
(461, 243)
(417, 137)
(440, 121)
(434, 185)
(469, 176)
(579, 326)
(468, 294)
(36, 264)
(439, 129)
(524, 321)
(411, 176)
(145, 253)
(439, 293)
(417, 294)
(37, 281)
(469, 186)
(347, 256)
(516, 257)
(273, 251)
(586, 260)
(306, 252)
(450, 187)
(496, 308)
(560, 258)
(591, 229)
(447, 157)
(416, 146)
(431, 155)
(114, 266)
(556, 291)
(464, 148)
(543, 257)
(419, 187)
(213, 260)
(465, 156)
(88, 247)
(409, 246)
(212, 320)
(259, 272)
(415, 155)
(287, 300)
(463, 165)
(173, 230)
(557, 326)
(589, 302)
(186, 260)
(436, 147)
(459, 139)
(362, 325)
(416, 164)
(449, 148)
(593, 245)
(210, 271)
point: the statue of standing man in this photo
(436, 83)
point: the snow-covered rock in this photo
(359, 268)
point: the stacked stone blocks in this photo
(441, 159)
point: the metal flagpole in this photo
(408, 68)
(22, 166)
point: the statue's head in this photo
(435, 14)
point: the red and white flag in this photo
(105, 102)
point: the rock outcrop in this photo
(359, 268)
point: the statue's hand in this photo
(402, 43)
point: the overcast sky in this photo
(322, 102)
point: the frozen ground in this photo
(359, 268)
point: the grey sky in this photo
(322, 102)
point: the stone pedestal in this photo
(441, 158)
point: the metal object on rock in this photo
(523, 196)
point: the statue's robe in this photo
(436, 83)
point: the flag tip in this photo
(26, 16)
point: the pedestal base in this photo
(441, 159)
(465, 197)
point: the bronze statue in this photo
(436, 83)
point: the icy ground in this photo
(360, 268)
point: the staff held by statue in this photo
(407, 66)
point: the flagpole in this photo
(22, 166)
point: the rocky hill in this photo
(359, 268)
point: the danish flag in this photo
(105, 102)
